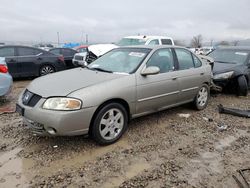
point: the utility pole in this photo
(58, 39)
(87, 39)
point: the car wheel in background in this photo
(46, 69)
(202, 97)
(242, 86)
(109, 124)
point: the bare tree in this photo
(196, 41)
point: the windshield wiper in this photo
(99, 69)
(225, 62)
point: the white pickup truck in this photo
(95, 51)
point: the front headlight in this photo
(222, 76)
(62, 103)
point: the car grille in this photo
(30, 99)
(79, 58)
(90, 57)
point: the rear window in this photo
(166, 42)
(230, 56)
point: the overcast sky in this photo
(108, 20)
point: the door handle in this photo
(174, 78)
(39, 58)
(202, 73)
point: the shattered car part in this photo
(232, 111)
(244, 183)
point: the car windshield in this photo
(131, 42)
(229, 56)
(120, 60)
(80, 50)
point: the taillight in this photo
(3, 69)
(61, 58)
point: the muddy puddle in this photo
(14, 171)
(78, 159)
(131, 171)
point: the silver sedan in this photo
(123, 84)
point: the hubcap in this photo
(47, 70)
(202, 96)
(111, 124)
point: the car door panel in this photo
(191, 74)
(156, 91)
(28, 59)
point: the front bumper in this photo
(79, 63)
(63, 123)
(5, 84)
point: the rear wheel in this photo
(201, 99)
(109, 124)
(46, 69)
(242, 86)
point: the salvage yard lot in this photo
(159, 150)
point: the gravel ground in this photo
(160, 150)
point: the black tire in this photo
(46, 69)
(201, 102)
(97, 126)
(242, 86)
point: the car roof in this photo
(153, 47)
(145, 37)
(17, 46)
(235, 47)
(62, 48)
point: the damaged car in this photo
(125, 83)
(231, 68)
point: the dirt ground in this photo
(160, 150)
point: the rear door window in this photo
(7, 52)
(55, 51)
(184, 58)
(197, 62)
(22, 51)
(166, 42)
(67, 52)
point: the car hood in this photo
(100, 49)
(223, 67)
(65, 82)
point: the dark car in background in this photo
(67, 53)
(231, 68)
(24, 61)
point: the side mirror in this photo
(152, 70)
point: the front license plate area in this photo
(19, 110)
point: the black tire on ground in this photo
(202, 97)
(46, 69)
(98, 129)
(242, 86)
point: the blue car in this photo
(5, 78)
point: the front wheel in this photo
(46, 69)
(242, 86)
(201, 99)
(109, 124)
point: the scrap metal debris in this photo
(222, 127)
(242, 182)
(184, 115)
(233, 111)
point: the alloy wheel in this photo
(111, 124)
(202, 96)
